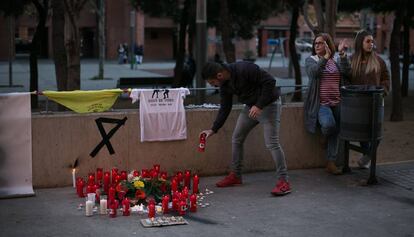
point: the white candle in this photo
(74, 177)
(103, 205)
(89, 208)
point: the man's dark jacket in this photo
(251, 84)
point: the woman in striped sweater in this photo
(322, 103)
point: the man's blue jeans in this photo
(329, 120)
(270, 119)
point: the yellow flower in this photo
(139, 184)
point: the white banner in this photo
(15, 145)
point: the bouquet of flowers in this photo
(141, 188)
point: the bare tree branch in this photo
(306, 17)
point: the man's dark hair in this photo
(210, 70)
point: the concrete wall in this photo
(60, 139)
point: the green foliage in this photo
(13, 7)
(159, 8)
(244, 14)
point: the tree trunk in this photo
(293, 54)
(102, 39)
(225, 29)
(179, 63)
(58, 39)
(331, 8)
(397, 112)
(320, 17)
(406, 59)
(72, 46)
(35, 48)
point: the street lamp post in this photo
(201, 46)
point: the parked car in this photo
(303, 45)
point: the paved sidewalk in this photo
(320, 205)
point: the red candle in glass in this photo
(95, 188)
(196, 181)
(114, 174)
(182, 207)
(165, 200)
(114, 207)
(124, 175)
(136, 173)
(99, 175)
(151, 210)
(80, 188)
(154, 174)
(187, 178)
(117, 179)
(145, 173)
(91, 179)
(193, 202)
(106, 181)
(179, 176)
(163, 175)
(175, 203)
(89, 189)
(184, 193)
(111, 194)
(174, 185)
(157, 167)
(125, 207)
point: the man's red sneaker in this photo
(282, 188)
(229, 180)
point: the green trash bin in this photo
(362, 113)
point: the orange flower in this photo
(139, 194)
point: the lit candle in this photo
(103, 205)
(163, 175)
(144, 173)
(196, 181)
(89, 208)
(193, 202)
(157, 168)
(187, 178)
(174, 185)
(91, 179)
(111, 195)
(125, 207)
(114, 173)
(151, 210)
(99, 175)
(179, 176)
(124, 175)
(136, 173)
(114, 207)
(81, 184)
(165, 201)
(182, 208)
(74, 177)
(106, 182)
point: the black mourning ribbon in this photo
(107, 136)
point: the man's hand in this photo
(208, 133)
(328, 52)
(254, 112)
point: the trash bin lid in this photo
(362, 89)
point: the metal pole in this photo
(201, 47)
(11, 49)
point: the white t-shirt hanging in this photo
(161, 113)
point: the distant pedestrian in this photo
(121, 53)
(126, 52)
(139, 54)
